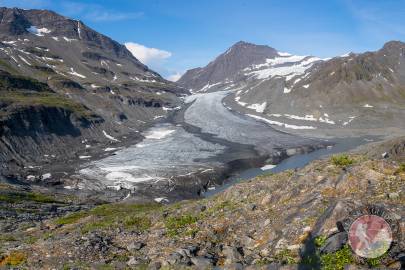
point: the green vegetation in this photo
(337, 260)
(24, 91)
(15, 82)
(47, 99)
(285, 256)
(132, 216)
(70, 218)
(263, 262)
(329, 261)
(342, 160)
(374, 262)
(16, 197)
(178, 224)
(320, 241)
(142, 223)
(220, 208)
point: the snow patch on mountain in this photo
(109, 137)
(351, 118)
(285, 66)
(243, 104)
(280, 124)
(73, 72)
(142, 80)
(38, 31)
(25, 60)
(69, 39)
(208, 86)
(258, 107)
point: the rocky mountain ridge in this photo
(62, 83)
(312, 95)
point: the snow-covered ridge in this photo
(288, 66)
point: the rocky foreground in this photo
(292, 220)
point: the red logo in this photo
(370, 236)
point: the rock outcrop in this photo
(291, 220)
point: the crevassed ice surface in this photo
(208, 113)
(166, 151)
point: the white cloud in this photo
(147, 55)
(175, 77)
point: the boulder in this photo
(135, 246)
(334, 242)
(232, 255)
(202, 262)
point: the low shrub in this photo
(342, 160)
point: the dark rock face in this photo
(13, 22)
(25, 134)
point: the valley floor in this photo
(199, 147)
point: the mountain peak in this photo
(243, 43)
(19, 22)
(227, 65)
(394, 44)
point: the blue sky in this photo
(190, 33)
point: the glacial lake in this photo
(294, 162)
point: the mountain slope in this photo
(71, 57)
(53, 65)
(354, 91)
(227, 65)
(235, 64)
